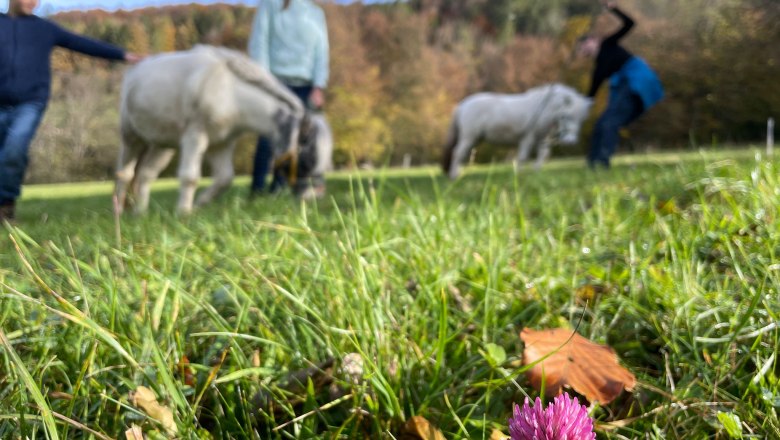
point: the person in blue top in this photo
(290, 39)
(26, 43)
(634, 87)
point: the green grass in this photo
(416, 274)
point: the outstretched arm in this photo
(90, 47)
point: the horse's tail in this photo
(452, 141)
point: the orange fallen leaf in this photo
(419, 428)
(588, 368)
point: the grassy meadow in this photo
(402, 285)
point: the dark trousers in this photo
(18, 124)
(624, 107)
(264, 155)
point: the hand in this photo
(134, 58)
(317, 98)
(609, 4)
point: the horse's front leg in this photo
(524, 150)
(151, 164)
(194, 143)
(544, 152)
(462, 149)
(221, 162)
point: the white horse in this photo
(199, 101)
(525, 120)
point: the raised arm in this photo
(628, 24)
(260, 39)
(88, 46)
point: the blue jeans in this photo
(265, 153)
(18, 124)
(623, 108)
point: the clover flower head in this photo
(563, 419)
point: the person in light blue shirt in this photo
(289, 38)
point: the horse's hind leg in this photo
(152, 163)
(221, 163)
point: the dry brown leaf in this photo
(498, 435)
(59, 395)
(185, 371)
(588, 368)
(134, 433)
(145, 399)
(420, 428)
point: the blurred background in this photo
(399, 69)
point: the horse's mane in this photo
(252, 73)
(559, 90)
(550, 87)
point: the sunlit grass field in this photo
(229, 315)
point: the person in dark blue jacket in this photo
(634, 87)
(26, 43)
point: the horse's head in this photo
(306, 167)
(287, 126)
(572, 112)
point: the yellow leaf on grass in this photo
(420, 428)
(146, 400)
(134, 433)
(586, 292)
(498, 435)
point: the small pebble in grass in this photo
(563, 419)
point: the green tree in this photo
(139, 39)
(163, 35)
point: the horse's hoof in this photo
(312, 193)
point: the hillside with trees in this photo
(399, 69)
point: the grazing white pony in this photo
(525, 120)
(199, 101)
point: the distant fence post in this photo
(770, 136)
(407, 161)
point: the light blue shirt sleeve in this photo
(260, 39)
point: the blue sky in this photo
(49, 6)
